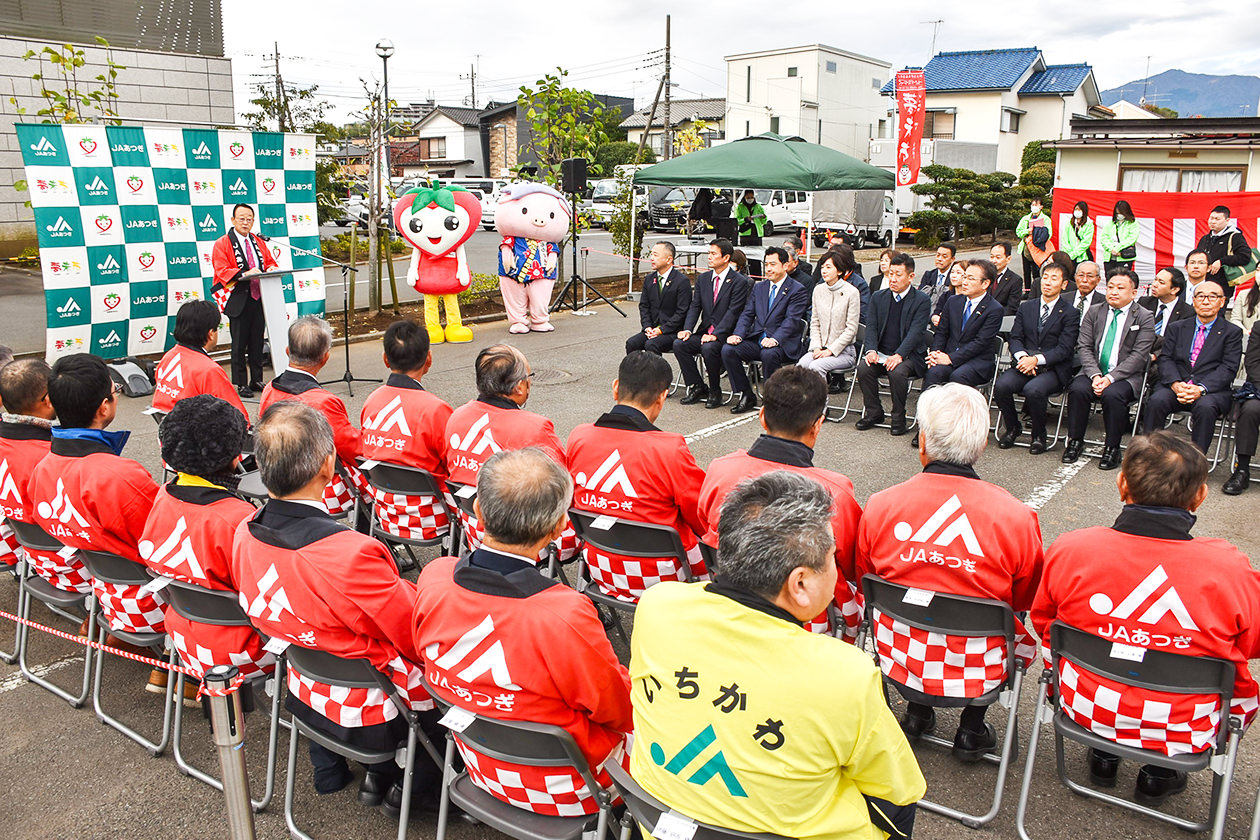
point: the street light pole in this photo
(385, 48)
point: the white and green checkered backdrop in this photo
(127, 217)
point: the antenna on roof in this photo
(1146, 81)
(936, 27)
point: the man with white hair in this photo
(946, 530)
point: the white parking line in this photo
(17, 680)
(1042, 494)
(718, 428)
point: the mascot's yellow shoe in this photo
(457, 334)
(436, 335)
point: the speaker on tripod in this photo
(573, 182)
(573, 175)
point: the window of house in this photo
(774, 124)
(876, 83)
(883, 129)
(937, 125)
(1010, 121)
(831, 67)
(791, 72)
(1181, 179)
(433, 148)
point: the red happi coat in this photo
(945, 530)
(770, 453)
(310, 581)
(294, 384)
(501, 639)
(188, 537)
(405, 424)
(625, 467)
(1146, 583)
(22, 446)
(187, 371)
(88, 497)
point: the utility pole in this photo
(282, 99)
(936, 27)
(669, 134)
(472, 77)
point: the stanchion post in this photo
(227, 724)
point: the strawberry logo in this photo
(268, 185)
(88, 145)
(146, 259)
(135, 183)
(147, 333)
(111, 301)
(275, 251)
(104, 223)
(237, 149)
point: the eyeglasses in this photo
(1208, 296)
(117, 388)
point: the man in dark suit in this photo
(1086, 293)
(1113, 348)
(894, 345)
(1165, 302)
(799, 270)
(1247, 429)
(935, 282)
(962, 346)
(1043, 343)
(1197, 365)
(1008, 290)
(663, 304)
(716, 305)
(769, 328)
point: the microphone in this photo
(263, 238)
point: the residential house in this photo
(683, 114)
(1126, 110)
(446, 144)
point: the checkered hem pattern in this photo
(247, 654)
(552, 791)
(1172, 724)
(62, 569)
(9, 546)
(626, 578)
(355, 707)
(411, 517)
(940, 665)
(346, 486)
(127, 609)
(569, 544)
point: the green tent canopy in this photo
(770, 162)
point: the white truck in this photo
(863, 217)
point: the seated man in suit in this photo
(1043, 343)
(800, 271)
(1247, 430)
(1196, 366)
(769, 328)
(663, 304)
(716, 305)
(1165, 300)
(962, 348)
(1113, 347)
(894, 345)
(1086, 293)
(935, 282)
(1008, 290)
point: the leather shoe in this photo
(747, 402)
(422, 802)
(715, 398)
(695, 393)
(916, 725)
(243, 390)
(1073, 451)
(1110, 458)
(868, 421)
(1103, 768)
(898, 427)
(1007, 440)
(915, 442)
(256, 387)
(374, 786)
(1237, 483)
(1038, 445)
(1156, 784)
(971, 746)
(838, 385)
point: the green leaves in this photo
(66, 98)
(564, 122)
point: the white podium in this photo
(271, 288)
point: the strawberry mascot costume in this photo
(533, 219)
(436, 221)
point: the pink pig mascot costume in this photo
(533, 219)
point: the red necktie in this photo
(255, 291)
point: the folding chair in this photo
(956, 616)
(221, 609)
(1135, 407)
(524, 743)
(252, 488)
(408, 481)
(16, 571)
(110, 568)
(647, 811)
(858, 342)
(350, 673)
(464, 495)
(1224, 430)
(1153, 670)
(30, 585)
(628, 538)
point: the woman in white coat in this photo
(833, 326)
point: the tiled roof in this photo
(467, 117)
(1056, 78)
(680, 111)
(976, 69)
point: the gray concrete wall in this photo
(184, 89)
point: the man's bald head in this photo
(292, 443)
(522, 494)
(500, 368)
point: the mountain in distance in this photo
(1193, 94)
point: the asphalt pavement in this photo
(70, 776)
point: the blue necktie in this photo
(770, 300)
(966, 313)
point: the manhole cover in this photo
(545, 376)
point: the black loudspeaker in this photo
(573, 175)
(135, 382)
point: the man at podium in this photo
(239, 256)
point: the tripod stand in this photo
(576, 279)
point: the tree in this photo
(964, 202)
(691, 138)
(292, 108)
(564, 123)
(1166, 113)
(1034, 153)
(67, 98)
(619, 225)
(619, 153)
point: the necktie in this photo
(966, 313)
(1159, 319)
(1080, 304)
(255, 291)
(660, 282)
(1199, 334)
(717, 285)
(770, 299)
(1104, 360)
(1045, 313)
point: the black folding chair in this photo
(408, 481)
(647, 811)
(1149, 670)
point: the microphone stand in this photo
(346, 270)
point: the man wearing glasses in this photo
(1196, 367)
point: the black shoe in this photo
(1007, 440)
(971, 746)
(695, 393)
(868, 421)
(1038, 445)
(898, 427)
(916, 725)
(1073, 451)
(1103, 768)
(1238, 482)
(838, 385)
(1110, 458)
(256, 387)
(422, 802)
(374, 786)
(915, 442)
(715, 398)
(1156, 784)
(243, 390)
(747, 402)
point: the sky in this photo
(616, 46)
